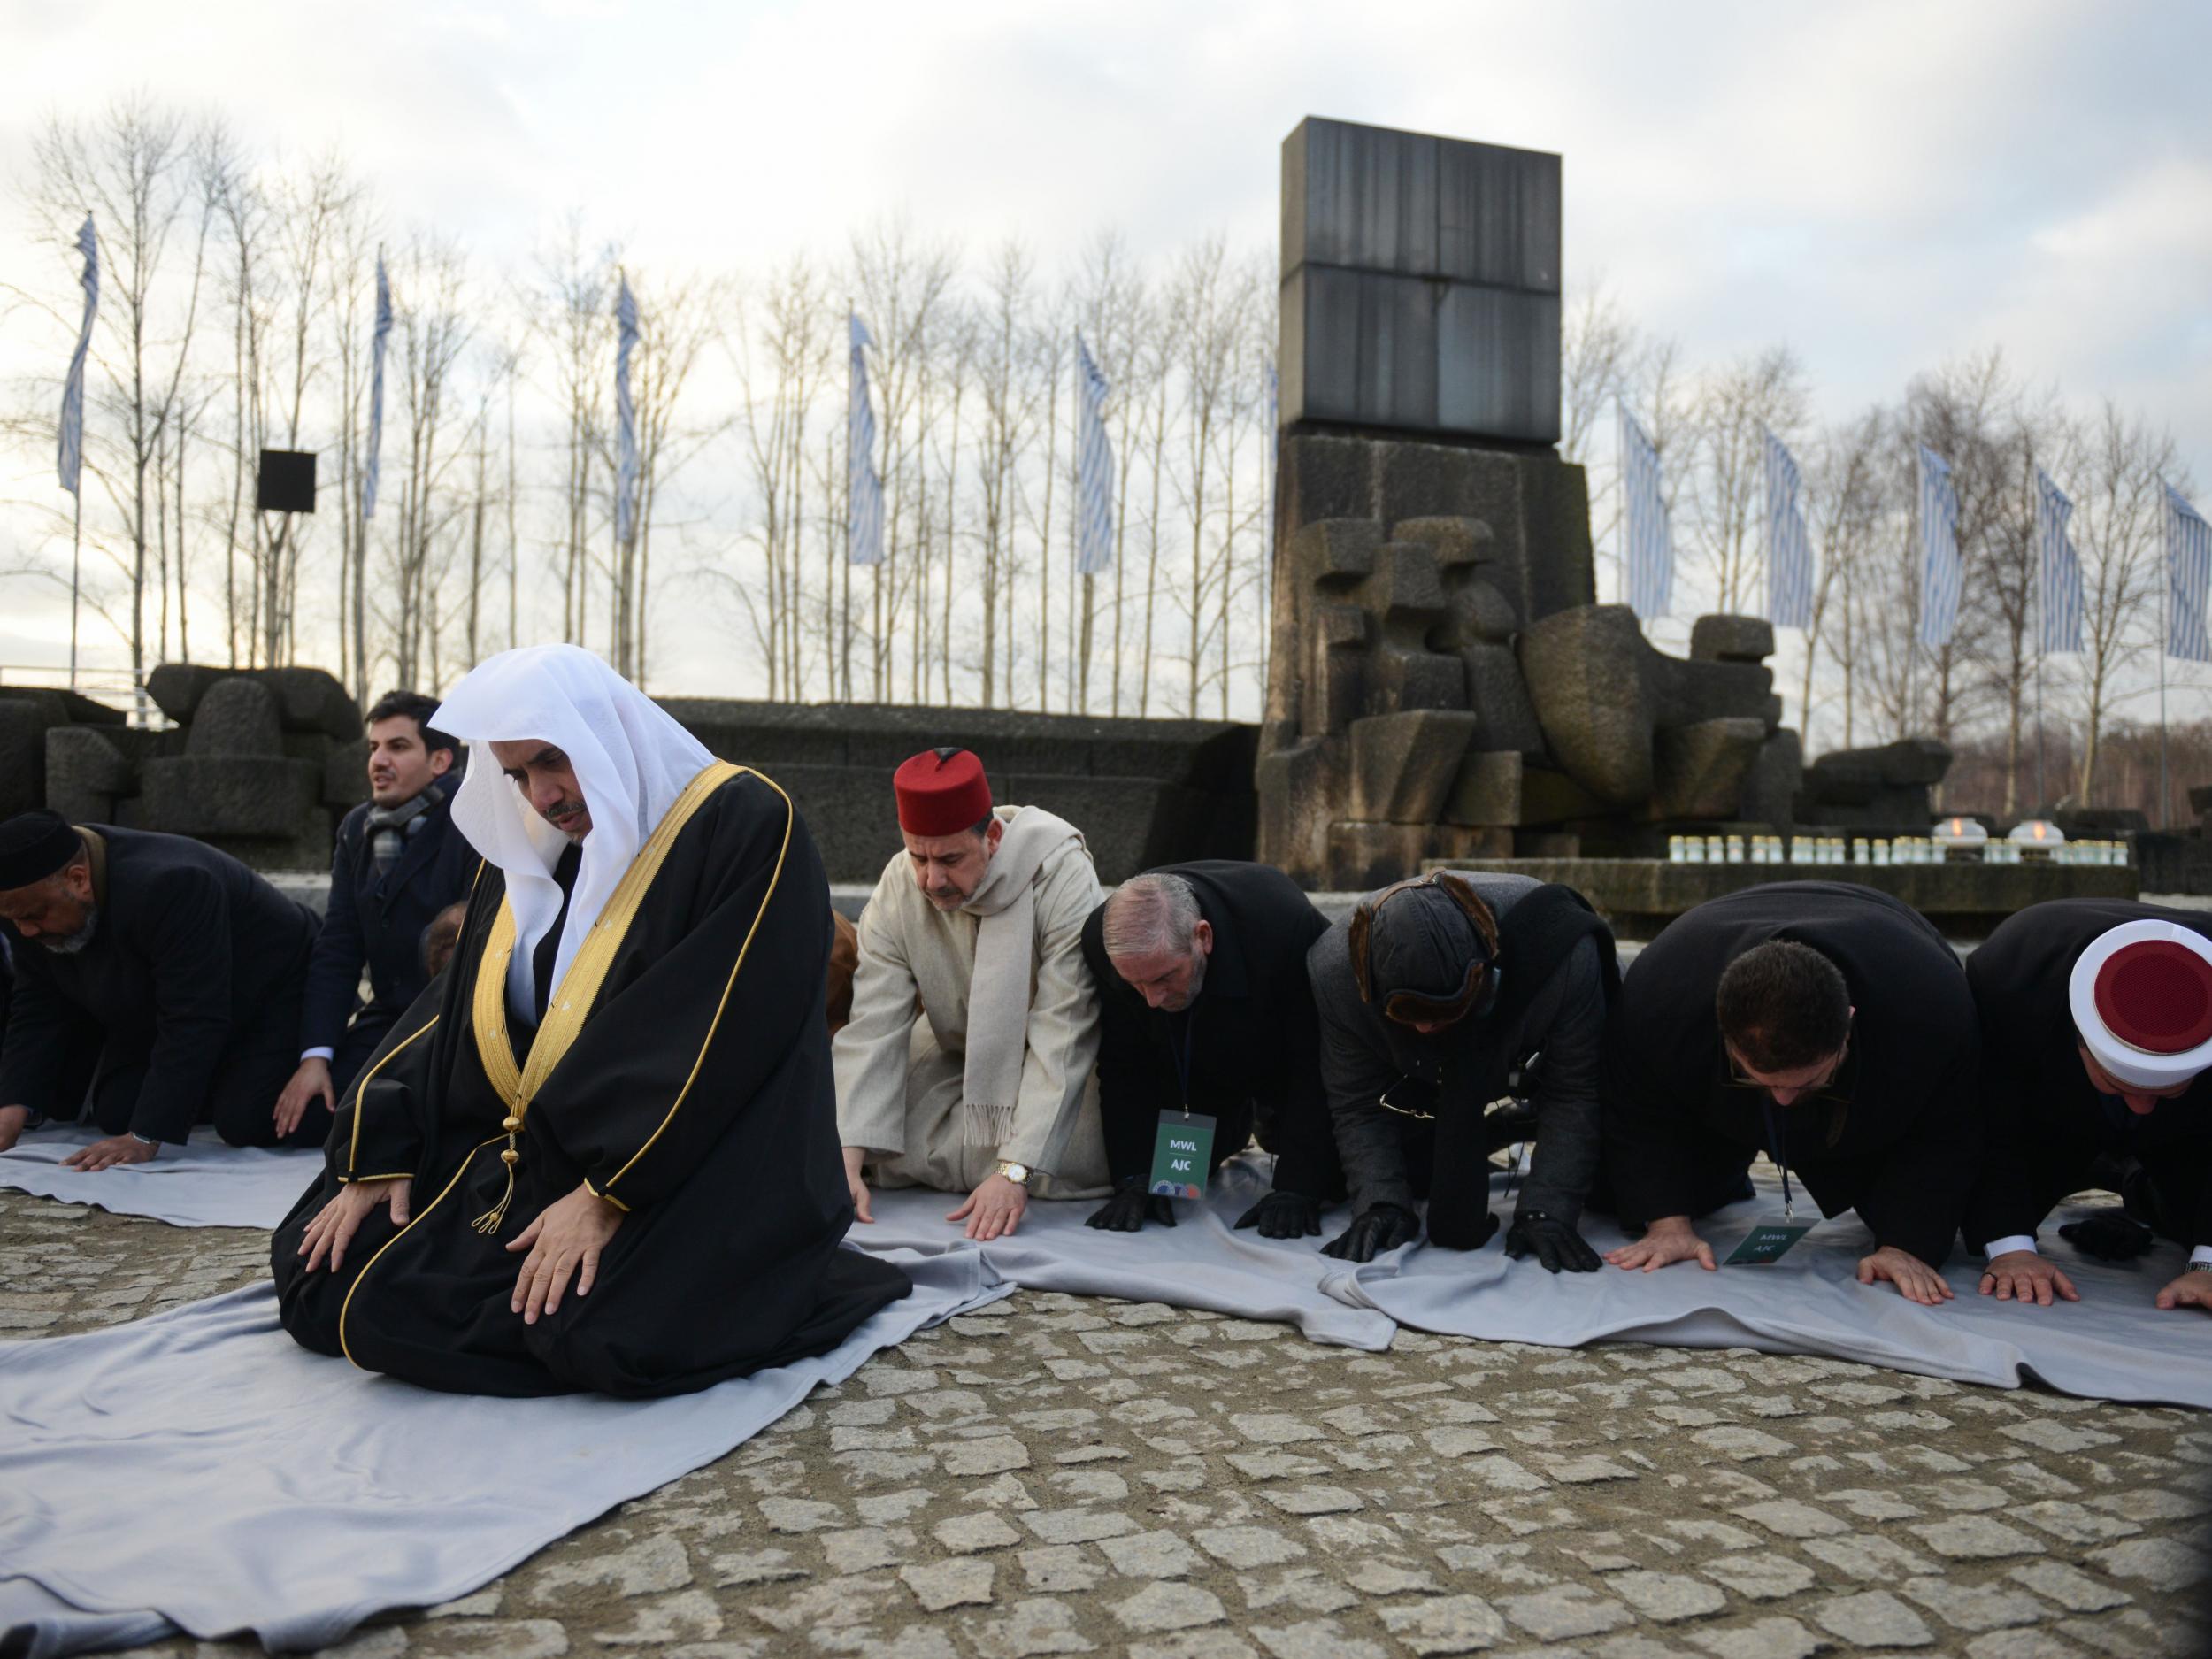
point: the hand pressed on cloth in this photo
(311, 1080)
(105, 1154)
(564, 1240)
(2191, 1289)
(337, 1221)
(1378, 1228)
(995, 1209)
(1131, 1207)
(855, 1156)
(1915, 1279)
(1667, 1240)
(1555, 1245)
(2024, 1276)
(1284, 1215)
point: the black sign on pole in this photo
(286, 482)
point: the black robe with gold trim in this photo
(682, 1071)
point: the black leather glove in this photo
(1131, 1207)
(1551, 1241)
(1378, 1228)
(2109, 1236)
(1284, 1215)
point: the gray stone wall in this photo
(1142, 792)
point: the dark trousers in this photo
(2162, 1191)
(241, 1100)
(1720, 1174)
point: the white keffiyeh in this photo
(631, 759)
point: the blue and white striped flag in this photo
(626, 467)
(1942, 575)
(1789, 549)
(70, 446)
(1094, 468)
(2060, 566)
(2188, 575)
(863, 522)
(371, 464)
(1650, 541)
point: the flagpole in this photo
(76, 550)
(2165, 639)
(2042, 643)
(845, 621)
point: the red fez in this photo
(942, 792)
(2141, 998)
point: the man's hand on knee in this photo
(994, 1209)
(310, 1082)
(337, 1221)
(105, 1154)
(564, 1242)
(854, 1158)
(14, 1121)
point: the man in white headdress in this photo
(967, 1064)
(599, 1153)
(2096, 1018)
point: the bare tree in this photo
(2118, 530)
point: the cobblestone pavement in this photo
(1059, 1475)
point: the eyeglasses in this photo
(1834, 1087)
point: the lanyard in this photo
(1182, 1053)
(1774, 1151)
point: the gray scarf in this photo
(391, 827)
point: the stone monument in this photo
(1444, 684)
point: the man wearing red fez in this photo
(975, 930)
(2096, 1018)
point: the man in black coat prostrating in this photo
(2096, 1021)
(1826, 1024)
(398, 861)
(169, 968)
(1203, 1003)
(1440, 996)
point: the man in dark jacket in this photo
(173, 962)
(1826, 1024)
(1204, 1007)
(399, 861)
(1437, 998)
(2096, 1020)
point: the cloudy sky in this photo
(1882, 184)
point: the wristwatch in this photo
(1017, 1173)
(143, 1140)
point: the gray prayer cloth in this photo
(2111, 1345)
(203, 1183)
(1201, 1262)
(201, 1472)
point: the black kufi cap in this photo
(1424, 944)
(33, 846)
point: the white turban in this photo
(631, 758)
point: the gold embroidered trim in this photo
(397, 1175)
(608, 1197)
(361, 1090)
(791, 816)
(569, 1002)
(346, 1306)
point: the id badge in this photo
(1768, 1243)
(1181, 1152)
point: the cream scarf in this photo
(999, 988)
